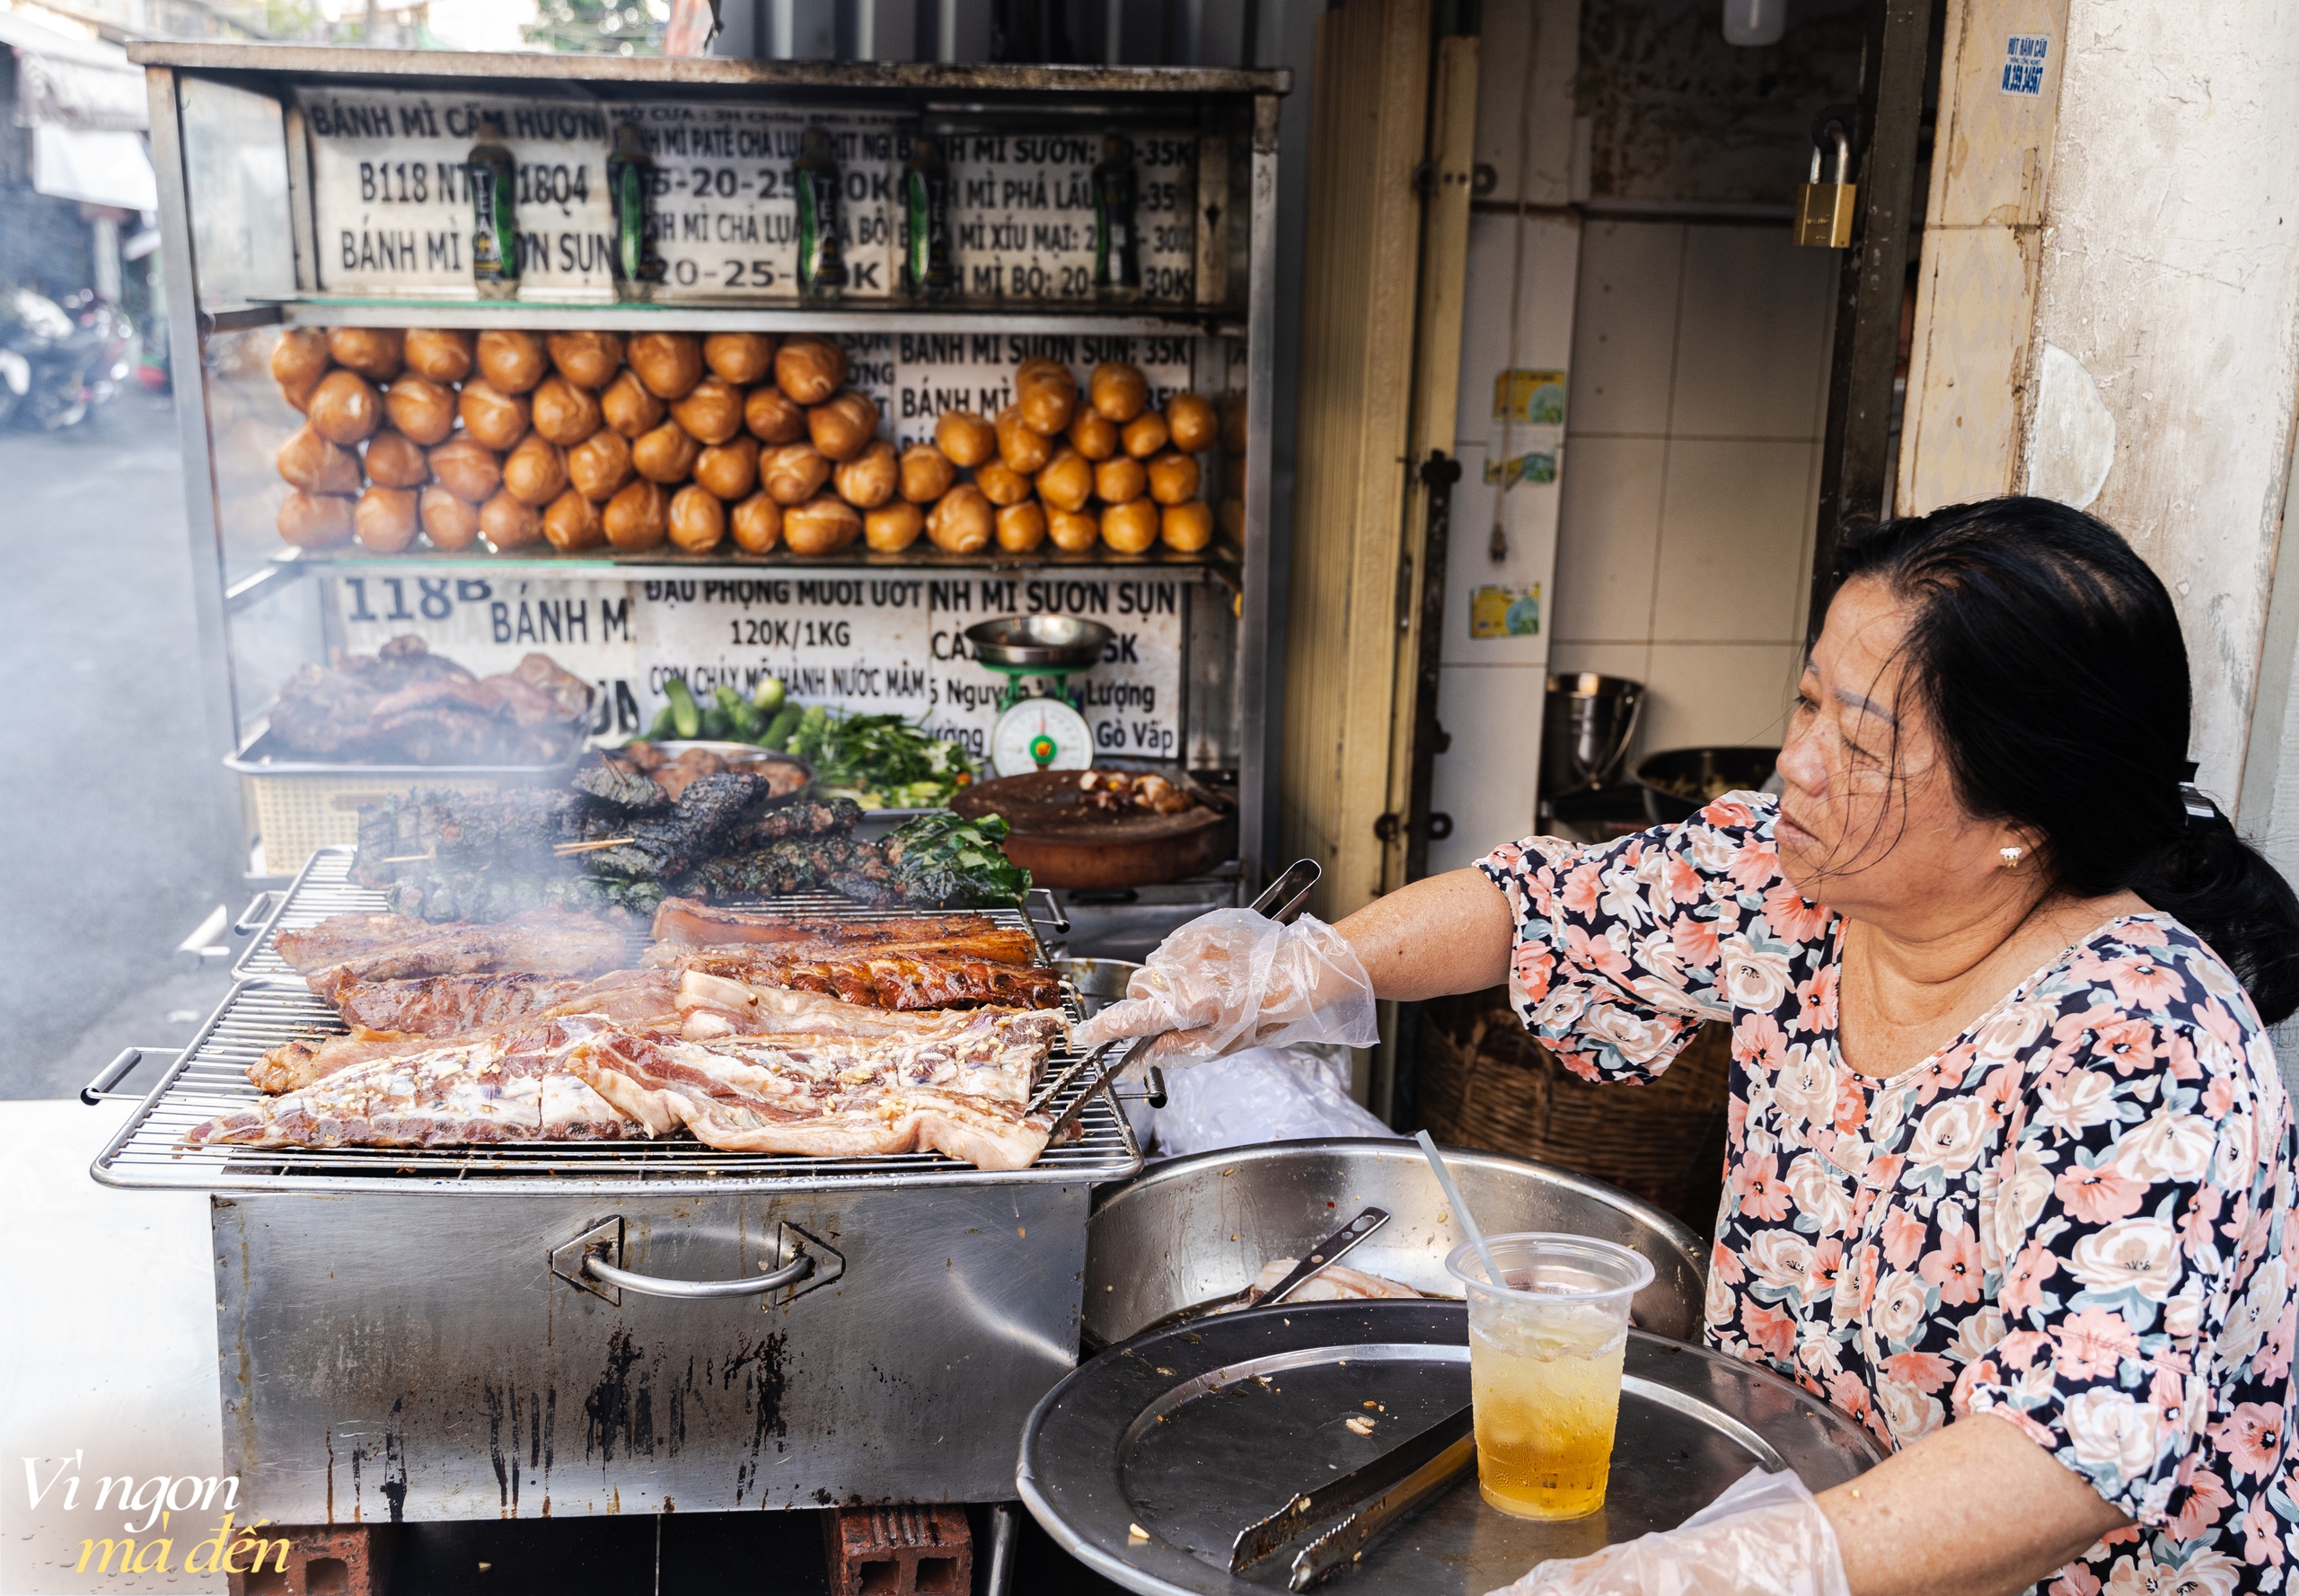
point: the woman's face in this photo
(1870, 822)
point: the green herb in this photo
(882, 761)
(941, 859)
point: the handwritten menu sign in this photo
(392, 212)
(391, 202)
(869, 641)
(915, 377)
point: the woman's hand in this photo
(1232, 979)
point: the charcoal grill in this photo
(411, 1334)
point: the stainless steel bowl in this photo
(1050, 642)
(1100, 982)
(1195, 1231)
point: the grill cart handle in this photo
(100, 1090)
(652, 1285)
(258, 913)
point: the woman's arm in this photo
(1442, 935)
(1974, 1509)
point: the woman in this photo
(2011, 1169)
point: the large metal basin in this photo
(1196, 1231)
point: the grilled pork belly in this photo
(449, 1005)
(685, 920)
(865, 977)
(350, 948)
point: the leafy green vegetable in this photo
(941, 859)
(883, 761)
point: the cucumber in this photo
(663, 728)
(686, 715)
(715, 725)
(778, 729)
(769, 694)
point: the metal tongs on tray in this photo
(1280, 901)
(1366, 1500)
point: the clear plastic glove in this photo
(1234, 979)
(1764, 1536)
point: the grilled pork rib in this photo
(867, 978)
(685, 920)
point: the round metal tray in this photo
(1194, 1432)
(1056, 642)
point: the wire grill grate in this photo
(271, 1006)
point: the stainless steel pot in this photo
(1196, 1231)
(1585, 735)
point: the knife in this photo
(1450, 1441)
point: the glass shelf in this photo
(739, 316)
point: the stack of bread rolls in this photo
(589, 440)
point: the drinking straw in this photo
(1468, 1221)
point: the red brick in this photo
(898, 1551)
(323, 1560)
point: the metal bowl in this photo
(1050, 642)
(1196, 1231)
(1665, 775)
(1100, 982)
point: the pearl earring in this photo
(2011, 857)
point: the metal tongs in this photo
(1371, 1496)
(1291, 890)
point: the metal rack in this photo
(243, 258)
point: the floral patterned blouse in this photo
(2076, 1215)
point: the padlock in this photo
(1824, 210)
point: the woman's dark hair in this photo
(2049, 659)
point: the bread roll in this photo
(510, 523)
(1046, 395)
(1093, 434)
(1001, 484)
(385, 519)
(809, 369)
(447, 520)
(711, 412)
(587, 359)
(495, 419)
(439, 355)
(1144, 435)
(1020, 447)
(1039, 365)
(823, 524)
(729, 470)
(698, 521)
(1120, 480)
(565, 414)
(421, 408)
(965, 437)
(756, 523)
(741, 358)
(869, 479)
(638, 517)
(315, 520)
(1131, 528)
(600, 466)
(793, 474)
(1072, 532)
(1067, 482)
(298, 394)
(513, 360)
(311, 463)
(345, 409)
(1021, 527)
(467, 469)
(893, 528)
(669, 363)
(628, 408)
(375, 353)
(535, 472)
(394, 462)
(1192, 422)
(774, 417)
(843, 424)
(1119, 391)
(962, 521)
(927, 473)
(300, 358)
(666, 454)
(1173, 478)
(1187, 526)
(573, 524)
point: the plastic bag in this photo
(1233, 979)
(1264, 1094)
(1765, 1536)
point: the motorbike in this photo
(57, 360)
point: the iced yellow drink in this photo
(1545, 1368)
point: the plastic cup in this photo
(1546, 1347)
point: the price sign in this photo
(1022, 214)
(926, 374)
(391, 199)
(725, 209)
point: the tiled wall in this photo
(1699, 389)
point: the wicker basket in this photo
(1484, 1082)
(297, 815)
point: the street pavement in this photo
(112, 853)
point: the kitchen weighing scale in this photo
(1041, 730)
